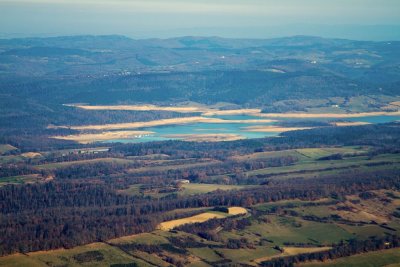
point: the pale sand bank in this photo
(211, 111)
(328, 115)
(184, 109)
(232, 112)
(206, 111)
(206, 137)
(350, 123)
(186, 120)
(273, 129)
(104, 136)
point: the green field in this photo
(263, 235)
(6, 148)
(371, 259)
(18, 179)
(11, 159)
(54, 166)
(313, 165)
(95, 254)
(184, 190)
(308, 165)
(289, 229)
(315, 153)
(178, 166)
(206, 253)
(247, 255)
(192, 188)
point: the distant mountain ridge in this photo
(299, 73)
(249, 72)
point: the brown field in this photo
(162, 122)
(275, 129)
(166, 226)
(206, 137)
(91, 138)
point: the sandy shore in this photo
(232, 112)
(350, 123)
(206, 111)
(185, 109)
(273, 129)
(206, 137)
(328, 115)
(211, 111)
(104, 136)
(133, 125)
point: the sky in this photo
(356, 19)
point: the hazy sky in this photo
(229, 18)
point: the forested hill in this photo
(39, 75)
(115, 69)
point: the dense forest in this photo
(333, 191)
(82, 203)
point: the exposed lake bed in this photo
(213, 125)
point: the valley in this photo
(199, 151)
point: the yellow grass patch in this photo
(206, 137)
(237, 210)
(166, 226)
(274, 129)
(90, 138)
(31, 154)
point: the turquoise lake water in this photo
(161, 132)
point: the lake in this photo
(162, 133)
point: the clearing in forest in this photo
(203, 217)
